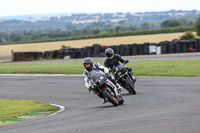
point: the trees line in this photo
(168, 26)
(18, 38)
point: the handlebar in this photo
(125, 62)
(94, 87)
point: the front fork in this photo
(132, 77)
(113, 86)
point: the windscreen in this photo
(94, 75)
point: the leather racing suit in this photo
(89, 76)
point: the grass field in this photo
(15, 108)
(156, 38)
(141, 68)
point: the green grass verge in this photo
(52, 68)
(14, 108)
(141, 68)
(180, 68)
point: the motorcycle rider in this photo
(93, 69)
(113, 60)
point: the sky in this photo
(36, 7)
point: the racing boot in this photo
(119, 87)
(134, 79)
(104, 101)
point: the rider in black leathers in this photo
(114, 59)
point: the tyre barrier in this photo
(171, 47)
(140, 49)
(146, 48)
(128, 50)
(27, 56)
(197, 45)
(134, 49)
(97, 50)
(122, 49)
(164, 47)
(177, 47)
(153, 48)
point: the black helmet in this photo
(88, 63)
(109, 53)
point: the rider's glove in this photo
(92, 87)
(106, 74)
(126, 61)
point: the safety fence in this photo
(97, 50)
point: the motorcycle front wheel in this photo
(121, 100)
(130, 86)
(110, 97)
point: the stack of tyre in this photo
(38, 55)
(197, 45)
(27, 56)
(146, 48)
(134, 49)
(164, 47)
(153, 48)
(72, 52)
(97, 50)
(128, 50)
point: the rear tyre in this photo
(110, 97)
(130, 86)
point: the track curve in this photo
(162, 104)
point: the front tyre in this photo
(121, 100)
(110, 97)
(130, 86)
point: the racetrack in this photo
(162, 105)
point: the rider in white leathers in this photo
(92, 69)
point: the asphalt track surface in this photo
(162, 105)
